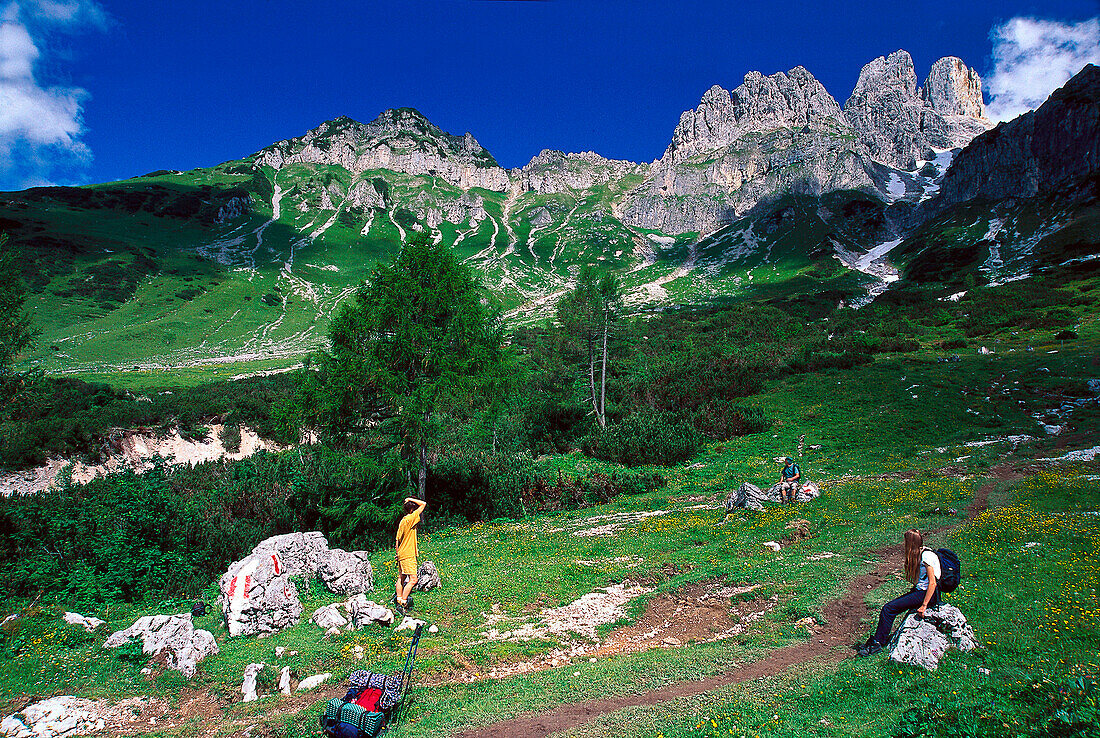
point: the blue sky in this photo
(164, 84)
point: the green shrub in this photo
(645, 437)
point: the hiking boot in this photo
(870, 648)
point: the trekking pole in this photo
(897, 633)
(406, 676)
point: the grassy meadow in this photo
(887, 441)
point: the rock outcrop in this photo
(747, 496)
(346, 572)
(329, 617)
(299, 554)
(257, 596)
(57, 716)
(555, 171)
(783, 133)
(357, 613)
(1055, 148)
(900, 123)
(923, 642)
(176, 634)
(427, 577)
(400, 140)
(751, 497)
(366, 612)
(88, 623)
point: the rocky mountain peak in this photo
(399, 139)
(761, 103)
(555, 171)
(892, 75)
(1055, 148)
(901, 123)
(952, 88)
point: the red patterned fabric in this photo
(368, 699)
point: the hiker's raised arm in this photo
(420, 504)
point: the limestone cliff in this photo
(899, 123)
(400, 140)
(774, 134)
(1055, 148)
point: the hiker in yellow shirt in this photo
(407, 551)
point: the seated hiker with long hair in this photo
(922, 569)
(407, 551)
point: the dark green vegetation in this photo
(417, 345)
(71, 418)
(16, 329)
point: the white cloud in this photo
(1033, 57)
(40, 126)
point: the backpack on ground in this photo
(950, 570)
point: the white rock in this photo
(257, 596)
(924, 642)
(57, 716)
(773, 546)
(300, 554)
(284, 680)
(346, 572)
(312, 682)
(365, 612)
(433, 628)
(186, 645)
(279, 651)
(248, 685)
(427, 577)
(87, 623)
(410, 623)
(328, 617)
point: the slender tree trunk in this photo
(422, 476)
(592, 384)
(422, 479)
(603, 377)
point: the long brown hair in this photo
(914, 546)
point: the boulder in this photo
(329, 616)
(300, 554)
(365, 612)
(924, 642)
(248, 686)
(346, 572)
(409, 623)
(427, 577)
(257, 596)
(57, 716)
(284, 680)
(748, 496)
(312, 682)
(87, 623)
(186, 645)
(808, 491)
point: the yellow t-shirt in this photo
(406, 536)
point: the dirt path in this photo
(830, 644)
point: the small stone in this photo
(248, 685)
(773, 546)
(313, 682)
(671, 641)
